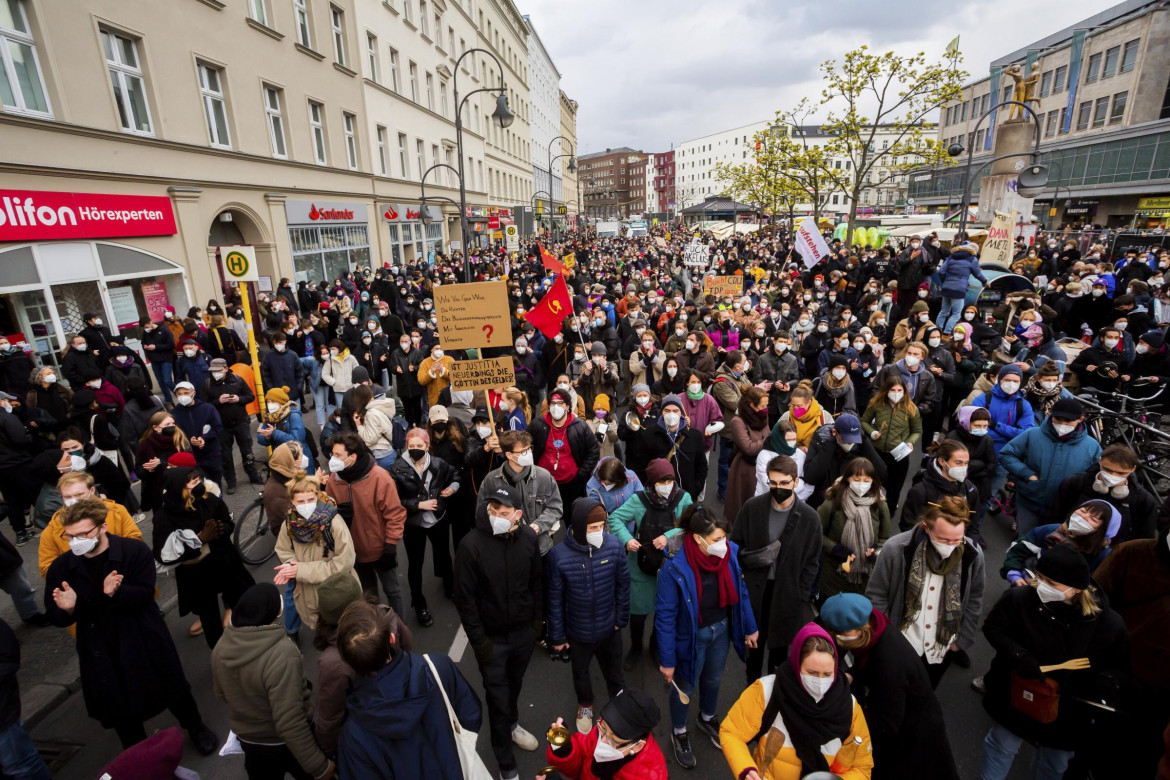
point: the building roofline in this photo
(540, 43)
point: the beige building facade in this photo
(570, 183)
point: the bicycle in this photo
(252, 536)
(1152, 445)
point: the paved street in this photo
(548, 691)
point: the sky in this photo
(651, 73)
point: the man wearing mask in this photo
(565, 446)
(193, 366)
(159, 345)
(914, 328)
(499, 592)
(730, 381)
(539, 497)
(202, 424)
(281, 367)
(622, 745)
(829, 452)
(1092, 364)
(79, 359)
(911, 268)
(97, 336)
(779, 368)
(599, 375)
(230, 395)
(944, 474)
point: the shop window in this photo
(22, 86)
(119, 260)
(19, 267)
(328, 252)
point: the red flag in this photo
(552, 309)
(550, 262)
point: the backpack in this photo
(400, 427)
(1019, 406)
(655, 523)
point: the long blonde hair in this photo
(182, 444)
(518, 397)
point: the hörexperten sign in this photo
(34, 215)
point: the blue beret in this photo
(846, 611)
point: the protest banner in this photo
(720, 286)
(482, 374)
(473, 315)
(696, 254)
(998, 246)
(810, 243)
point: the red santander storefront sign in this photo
(37, 215)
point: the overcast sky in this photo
(648, 73)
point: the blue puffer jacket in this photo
(676, 611)
(612, 499)
(291, 428)
(1040, 452)
(587, 590)
(200, 419)
(1010, 415)
(956, 272)
(397, 725)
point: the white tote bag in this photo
(473, 766)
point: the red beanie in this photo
(182, 460)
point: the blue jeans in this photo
(322, 405)
(292, 620)
(386, 461)
(312, 372)
(164, 374)
(726, 451)
(712, 644)
(999, 750)
(24, 596)
(949, 314)
(19, 759)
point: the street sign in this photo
(239, 263)
(512, 236)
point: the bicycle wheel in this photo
(252, 537)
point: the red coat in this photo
(648, 764)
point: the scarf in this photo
(951, 599)
(857, 534)
(836, 386)
(777, 444)
(756, 421)
(318, 526)
(278, 417)
(1042, 399)
(701, 562)
(806, 426)
(877, 623)
(693, 396)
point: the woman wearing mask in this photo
(337, 372)
(564, 383)
(646, 363)
(702, 410)
(424, 484)
(749, 433)
(834, 387)
(906, 722)
(1056, 616)
(282, 421)
(192, 533)
(612, 484)
(863, 370)
(795, 715)
(313, 545)
(434, 374)
(855, 522)
(372, 352)
(879, 323)
(449, 443)
(969, 364)
(603, 425)
(782, 441)
(322, 393)
(373, 418)
(805, 414)
(160, 441)
(515, 413)
(673, 380)
(1089, 530)
(47, 394)
(701, 610)
(893, 423)
(403, 368)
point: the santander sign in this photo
(33, 215)
(327, 214)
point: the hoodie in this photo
(258, 671)
(398, 726)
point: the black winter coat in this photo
(797, 565)
(163, 342)
(129, 664)
(233, 413)
(411, 489)
(582, 444)
(499, 583)
(928, 487)
(1139, 510)
(1025, 632)
(16, 445)
(406, 379)
(826, 461)
(283, 369)
(686, 454)
(9, 666)
(76, 364)
(15, 368)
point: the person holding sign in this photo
(434, 374)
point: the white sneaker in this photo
(584, 719)
(523, 739)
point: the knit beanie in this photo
(277, 395)
(259, 606)
(182, 460)
(336, 593)
(659, 470)
(1063, 564)
(601, 402)
(1009, 370)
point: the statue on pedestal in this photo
(1024, 90)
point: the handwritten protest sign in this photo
(998, 247)
(696, 254)
(723, 285)
(482, 374)
(473, 315)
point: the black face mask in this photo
(780, 495)
(168, 431)
(198, 490)
(417, 455)
(439, 427)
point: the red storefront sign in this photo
(494, 223)
(28, 215)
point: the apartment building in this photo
(613, 182)
(569, 178)
(545, 90)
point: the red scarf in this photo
(701, 562)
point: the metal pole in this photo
(966, 205)
(463, 228)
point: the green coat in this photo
(643, 587)
(895, 424)
(833, 581)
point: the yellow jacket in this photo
(743, 722)
(54, 543)
(435, 384)
(313, 567)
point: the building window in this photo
(22, 88)
(947, 121)
(1083, 114)
(214, 106)
(1045, 83)
(395, 83)
(349, 121)
(450, 173)
(1129, 56)
(337, 18)
(1111, 58)
(126, 79)
(1094, 66)
(422, 18)
(1050, 124)
(413, 81)
(407, 13)
(451, 41)
(1058, 79)
(272, 108)
(301, 13)
(419, 158)
(259, 11)
(1007, 94)
(1118, 112)
(328, 252)
(317, 131)
(430, 92)
(1063, 118)
(372, 56)
(443, 97)
(435, 156)
(382, 164)
(402, 161)
(1100, 110)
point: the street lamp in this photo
(572, 169)
(424, 216)
(503, 117)
(532, 203)
(1032, 179)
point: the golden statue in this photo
(1024, 90)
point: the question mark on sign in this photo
(489, 330)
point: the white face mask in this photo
(76, 463)
(500, 525)
(219, 374)
(1110, 343)
(895, 396)
(604, 752)
(273, 408)
(957, 473)
(1109, 479)
(184, 400)
(664, 490)
(1079, 526)
(1141, 349)
(694, 388)
(1063, 430)
(305, 510)
(912, 361)
(336, 464)
(978, 431)
(281, 347)
(190, 352)
(642, 400)
(690, 345)
(80, 547)
(672, 372)
(1009, 387)
(524, 458)
(838, 373)
(484, 431)
(50, 379)
(969, 316)
(1049, 385)
(557, 412)
(521, 350)
(305, 461)
(595, 539)
(718, 549)
(437, 354)
(816, 687)
(671, 419)
(860, 488)
(1048, 593)
(934, 342)
(944, 550)
(781, 347)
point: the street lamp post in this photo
(424, 216)
(1033, 177)
(503, 117)
(572, 169)
(532, 204)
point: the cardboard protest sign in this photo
(473, 315)
(723, 285)
(696, 254)
(998, 247)
(482, 374)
